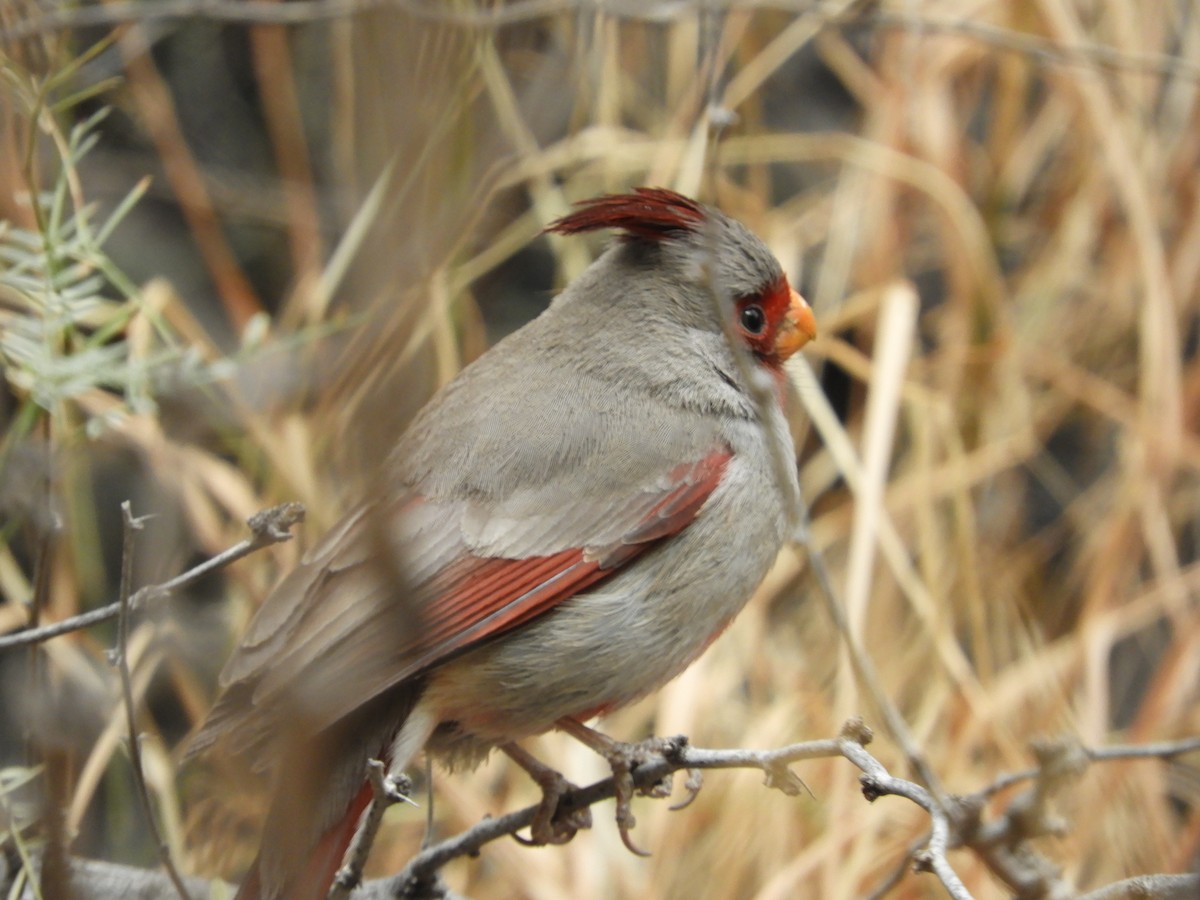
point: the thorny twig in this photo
(120, 660)
(955, 821)
(959, 828)
(267, 527)
(851, 744)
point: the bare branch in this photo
(944, 834)
(1002, 843)
(96, 880)
(120, 660)
(386, 791)
(1149, 887)
(679, 756)
(954, 824)
(1159, 750)
(955, 821)
(270, 526)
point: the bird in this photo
(564, 527)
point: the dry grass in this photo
(1021, 559)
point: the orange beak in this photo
(799, 326)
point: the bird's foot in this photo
(624, 759)
(551, 825)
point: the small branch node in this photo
(872, 788)
(273, 526)
(398, 789)
(857, 730)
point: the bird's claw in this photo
(695, 781)
(621, 762)
(552, 825)
(624, 759)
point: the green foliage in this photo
(61, 330)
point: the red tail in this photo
(314, 881)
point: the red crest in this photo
(651, 213)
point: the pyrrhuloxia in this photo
(563, 528)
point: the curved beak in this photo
(799, 326)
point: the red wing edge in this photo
(479, 598)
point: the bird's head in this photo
(707, 249)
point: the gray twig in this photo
(1149, 887)
(386, 791)
(267, 527)
(956, 825)
(851, 744)
(119, 658)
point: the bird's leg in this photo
(623, 758)
(548, 826)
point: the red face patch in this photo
(758, 317)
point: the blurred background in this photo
(242, 243)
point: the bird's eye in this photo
(753, 319)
